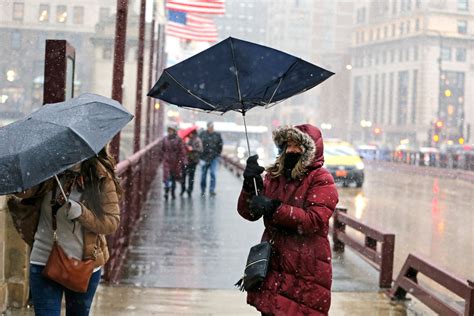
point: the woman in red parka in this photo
(296, 199)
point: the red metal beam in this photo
(151, 58)
(118, 68)
(139, 89)
(382, 261)
(57, 53)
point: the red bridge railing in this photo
(407, 282)
(137, 173)
(382, 260)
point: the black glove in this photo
(253, 171)
(261, 205)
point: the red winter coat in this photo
(300, 276)
(174, 156)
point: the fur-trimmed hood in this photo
(309, 137)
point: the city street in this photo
(429, 216)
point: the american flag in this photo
(191, 26)
(197, 6)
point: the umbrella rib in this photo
(281, 79)
(236, 72)
(189, 91)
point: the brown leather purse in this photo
(69, 272)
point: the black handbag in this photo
(256, 269)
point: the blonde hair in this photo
(278, 167)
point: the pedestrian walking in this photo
(78, 221)
(296, 199)
(212, 148)
(174, 159)
(194, 150)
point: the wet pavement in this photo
(202, 242)
(132, 301)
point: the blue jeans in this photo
(205, 166)
(47, 295)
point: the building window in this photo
(403, 5)
(357, 104)
(402, 110)
(393, 30)
(414, 93)
(417, 4)
(402, 28)
(104, 13)
(368, 98)
(107, 53)
(415, 53)
(408, 27)
(43, 15)
(417, 25)
(446, 53)
(385, 31)
(18, 11)
(392, 56)
(394, 7)
(463, 5)
(384, 57)
(78, 15)
(462, 26)
(400, 55)
(382, 99)
(390, 98)
(377, 37)
(15, 38)
(461, 54)
(376, 104)
(61, 14)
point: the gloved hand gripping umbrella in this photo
(236, 75)
(55, 138)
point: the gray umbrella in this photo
(56, 137)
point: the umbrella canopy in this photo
(56, 137)
(236, 75)
(183, 133)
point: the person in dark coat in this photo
(296, 199)
(212, 148)
(174, 159)
(194, 150)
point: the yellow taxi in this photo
(343, 162)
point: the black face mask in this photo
(291, 159)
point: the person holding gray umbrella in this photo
(88, 211)
(64, 195)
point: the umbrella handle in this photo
(61, 188)
(248, 147)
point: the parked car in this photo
(344, 163)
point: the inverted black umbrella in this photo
(56, 137)
(236, 75)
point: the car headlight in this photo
(360, 165)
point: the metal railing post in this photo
(118, 68)
(386, 264)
